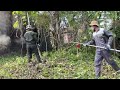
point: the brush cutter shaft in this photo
(98, 47)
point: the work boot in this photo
(39, 61)
(44, 61)
(118, 71)
(96, 77)
(29, 61)
(115, 66)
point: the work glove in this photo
(108, 47)
(38, 44)
(85, 44)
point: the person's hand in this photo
(108, 47)
(38, 44)
(85, 44)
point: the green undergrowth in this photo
(61, 64)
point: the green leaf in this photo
(16, 24)
(23, 17)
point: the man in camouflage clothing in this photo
(102, 38)
(31, 43)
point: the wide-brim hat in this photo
(94, 23)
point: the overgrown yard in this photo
(59, 64)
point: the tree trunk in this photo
(5, 30)
(55, 26)
(5, 22)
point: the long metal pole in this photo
(28, 19)
(98, 47)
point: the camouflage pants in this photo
(98, 60)
(32, 49)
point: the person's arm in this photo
(110, 36)
(35, 36)
(92, 42)
(110, 39)
(24, 35)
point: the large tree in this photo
(5, 30)
(5, 22)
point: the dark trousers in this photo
(98, 60)
(32, 49)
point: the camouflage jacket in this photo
(30, 37)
